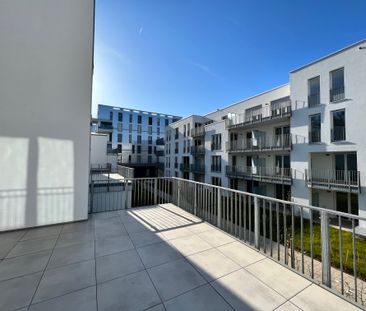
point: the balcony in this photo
(215, 146)
(197, 150)
(215, 168)
(162, 244)
(159, 153)
(105, 127)
(338, 133)
(262, 174)
(314, 100)
(314, 136)
(334, 180)
(266, 115)
(198, 132)
(184, 167)
(282, 142)
(160, 142)
(198, 168)
(336, 94)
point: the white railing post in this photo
(219, 207)
(195, 200)
(178, 194)
(256, 222)
(326, 265)
(155, 191)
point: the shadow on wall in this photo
(37, 184)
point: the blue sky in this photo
(184, 57)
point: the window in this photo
(139, 139)
(216, 181)
(119, 127)
(158, 131)
(177, 133)
(133, 148)
(338, 132)
(130, 128)
(149, 150)
(130, 139)
(314, 91)
(120, 116)
(188, 145)
(184, 146)
(139, 119)
(150, 120)
(119, 138)
(149, 140)
(149, 159)
(315, 128)
(138, 149)
(216, 163)
(166, 122)
(129, 158)
(130, 118)
(111, 115)
(216, 142)
(119, 148)
(337, 85)
(150, 130)
(176, 147)
(188, 128)
(253, 114)
(184, 130)
(158, 121)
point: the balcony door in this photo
(346, 167)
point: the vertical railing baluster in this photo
(278, 231)
(341, 252)
(270, 229)
(326, 267)
(302, 238)
(354, 257)
(256, 222)
(292, 237)
(311, 243)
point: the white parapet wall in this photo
(46, 63)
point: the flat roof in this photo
(140, 111)
(329, 55)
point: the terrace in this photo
(207, 254)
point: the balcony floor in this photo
(148, 258)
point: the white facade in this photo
(46, 63)
(99, 155)
(301, 142)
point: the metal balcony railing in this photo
(280, 142)
(184, 167)
(314, 100)
(160, 142)
(197, 150)
(198, 131)
(215, 146)
(263, 174)
(290, 233)
(338, 133)
(159, 153)
(336, 94)
(265, 114)
(215, 168)
(315, 136)
(336, 180)
(198, 168)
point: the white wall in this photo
(46, 77)
(98, 151)
(354, 62)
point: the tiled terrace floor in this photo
(151, 258)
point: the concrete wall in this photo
(46, 78)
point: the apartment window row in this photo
(216, 163)
(186, 130)
(336, 88)
(338, 126)
(186, 146)
(216, 142)
(216, 181)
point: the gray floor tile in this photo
(199, 228)
(144, 238)
(113, 245)
(72, 238)
(288, 306)
(216, 237)
(129, 293)
(82, 300)
(174, 278)
(240, 253)
(66, 279)
(12, 235)
(315, 298)
(101, 233)
(176, 233)
(117, 265)
(80, 226)
(17, 293)
(278, 277)
(70, 254)
(159, 253)
(189, 245)
(200, 299)
(135, 226)
(42, 232)
(22, 265)
(159, 307)
(32, 246)
(5, 247)
(212, 264)
(244, 292)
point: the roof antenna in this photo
(362, 48)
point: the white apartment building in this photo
(302, 141)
